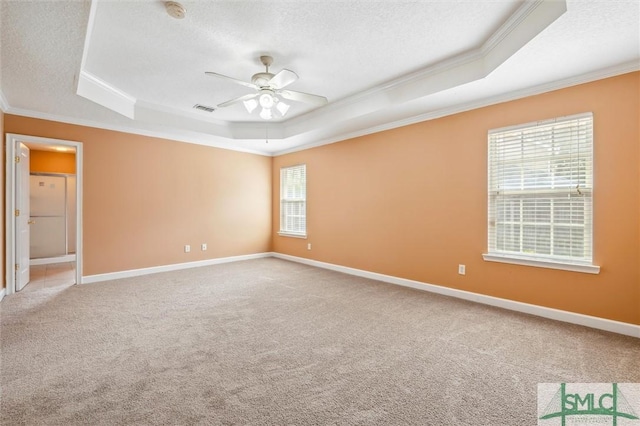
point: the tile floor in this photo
(52, 275)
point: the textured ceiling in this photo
(128, 65)
(337, 48)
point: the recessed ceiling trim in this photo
(514, 21)
(254, 130)
(94, 88)
(141, 104)
(522, 23)
(153, 130)
(102, 93)
(259, 130)
(273, 132)
(527, 22)
(89, 33)
(158, 114)
(4, 105)
(468, 106)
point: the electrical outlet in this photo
(461, 269)
(204, 247)
(309, 246)
(187, 248)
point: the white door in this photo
(23, 219)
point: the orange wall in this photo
(52, 162)
(412, 202)
(145, 198)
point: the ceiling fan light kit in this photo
(265, 114)
(269, 91)
(250, 105)
(282, 108)
(266, 98)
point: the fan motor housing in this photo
(261, 79)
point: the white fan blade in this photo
(235, 80)
(236, 100)
(303, 97)
(283, 79)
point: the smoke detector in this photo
(175, 9)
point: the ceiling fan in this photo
(270, 88)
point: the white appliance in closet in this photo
(51, 198)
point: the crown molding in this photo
(521, 27)
(186, 137)
(99, 91)
(513, 22)
(518, 30)
(272, 132)
(4, 105)
(222, 143)
(616, 70)
(446, 65)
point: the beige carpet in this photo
(270, 342)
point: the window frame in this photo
(284, 201)
(545, 194)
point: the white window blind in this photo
(293, 200)
(540, 190)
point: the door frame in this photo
(10, 202)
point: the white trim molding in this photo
(3, 291)
(143, 129)
(602, 74)
(199, 138)
(52, 260)
(292, 235)
(541, 311)
(4, 105)
(102, 93)
(529, 20)
(90, 279)
(96, 89)
(12, 139)
(514, 260)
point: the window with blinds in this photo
(293, 200)
(540, 190)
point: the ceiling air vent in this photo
(204, 108)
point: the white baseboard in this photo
(2, 293)
(51, 260)
(541, 311)
(89, 279)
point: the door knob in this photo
(31, 222)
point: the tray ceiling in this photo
(128, 65)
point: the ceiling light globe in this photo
(282, 108)
(266, 100)
(250, 105)
(265, 114)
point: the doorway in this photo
(18, 213)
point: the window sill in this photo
(292, 235)
(574, 267)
